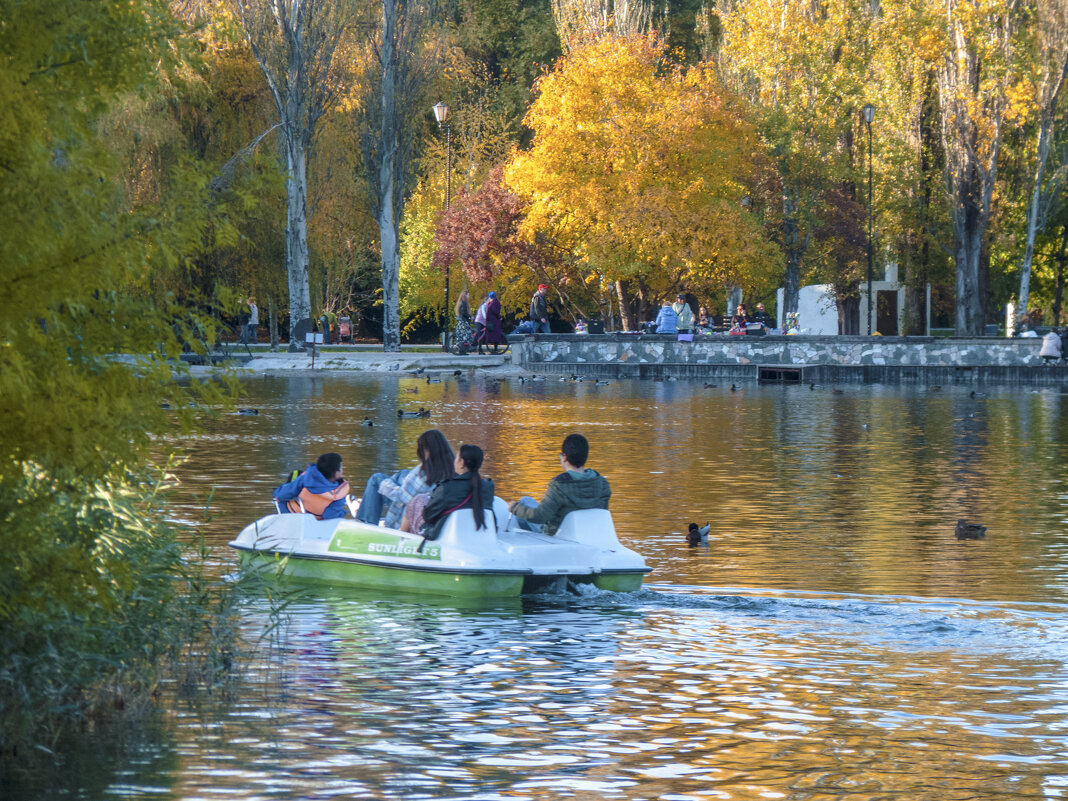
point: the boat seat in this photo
(460, 523)
(500, 511)
(593, 527)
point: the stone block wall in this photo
(823, 357)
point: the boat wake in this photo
(1013, 630)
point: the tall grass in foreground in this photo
(99, 601)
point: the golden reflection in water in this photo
(805, 489)
(711, 698)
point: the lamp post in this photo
(441, 114)
(869, 115)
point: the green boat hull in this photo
(417, 581)
(422, 582)
(619, 582)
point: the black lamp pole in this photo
(441, 114)
(869, 115)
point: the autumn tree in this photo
(639, 169)
(294, 42)
(977, 75)
(802, 65)
(581, 21)
(91, 585)
(1051, 57)
(909, 161)
(391, 123)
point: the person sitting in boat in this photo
(320, 488)
(578, 487)
(435, 465)
(465, 490)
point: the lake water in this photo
(833, 641)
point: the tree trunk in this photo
(387, 222)
(1062, 257)
(272, 312)
(973, 86)
(849, 316)
(626, 313)
(1044, 136)
(791, 285)
(915, 288)
(297, 238)
(968, 229)
(1053, 26)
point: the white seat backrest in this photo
(593, 527)
(459, 529)
(500, 511)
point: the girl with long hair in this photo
(467, 489)
(465, 331)
(435, 465)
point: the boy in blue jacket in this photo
(320, 488)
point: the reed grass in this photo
(100, 600)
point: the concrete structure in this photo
(922, 360)
(818, 311)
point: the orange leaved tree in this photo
(642, 167)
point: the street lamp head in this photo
(869, 113)
(441, 113)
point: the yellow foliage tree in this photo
(803, 65)
(641, 167)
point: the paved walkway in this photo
(374, 360)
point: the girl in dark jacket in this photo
(466, 490)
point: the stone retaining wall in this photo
(818, 358)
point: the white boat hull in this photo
(463, 561)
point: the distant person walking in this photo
(480, 321)
(253, 329)
(465, 330)
(539, 310)
(491, 334)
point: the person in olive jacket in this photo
(465, 490)
(577, 487)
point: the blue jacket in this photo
(667, 322)
(316, 483)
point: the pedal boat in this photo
(462, 562)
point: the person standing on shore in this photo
(252, 330)
(465, 334)
(684, 314)
(539, 310)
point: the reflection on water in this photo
(806, 489)
(833, 641)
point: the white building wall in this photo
(818, 313)
(816, 310)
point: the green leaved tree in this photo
(89, 583)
